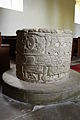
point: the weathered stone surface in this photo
(15, 110)
(43, 55)
(63, 111)
(38, 93)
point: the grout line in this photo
(18, 117)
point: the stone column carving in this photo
(43, 56)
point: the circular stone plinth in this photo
(37, 93)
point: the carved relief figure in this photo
(30, 43)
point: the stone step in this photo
(38, 93)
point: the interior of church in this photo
(39, 59)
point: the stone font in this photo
(43, 56)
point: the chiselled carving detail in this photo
(30, 43)
(44, 54)
(31, 77)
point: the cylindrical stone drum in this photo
(43, 56)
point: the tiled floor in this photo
(14, 110)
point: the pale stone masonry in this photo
(43, 56)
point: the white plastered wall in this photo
(38, 13)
